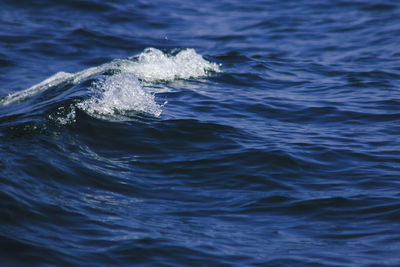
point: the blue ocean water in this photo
(211, 133)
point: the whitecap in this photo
(153, 65)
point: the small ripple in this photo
(5, 62)
(383, 7)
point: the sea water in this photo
(185, 133)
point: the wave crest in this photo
(117, 91)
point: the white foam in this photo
(119, 95)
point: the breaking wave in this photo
(114, 90)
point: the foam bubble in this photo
(64, 115)
(118, 96)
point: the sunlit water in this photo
(185, 133)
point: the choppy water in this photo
(213, 133)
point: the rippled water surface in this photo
(211, 133)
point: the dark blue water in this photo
(211, 133)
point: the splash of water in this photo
(118, 95)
